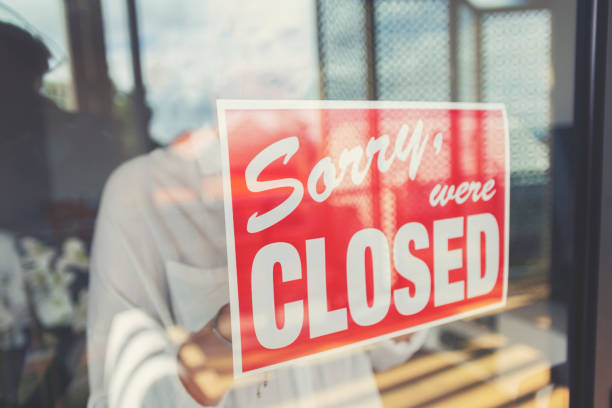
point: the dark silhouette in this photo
(24, 176)
(53, 163)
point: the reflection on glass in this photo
(70, 119)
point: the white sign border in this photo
(255, 104)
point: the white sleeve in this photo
(131, 360)
(389, 353)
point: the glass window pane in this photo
(113, 259)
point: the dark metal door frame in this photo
(590, 334)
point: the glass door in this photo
(94, 90)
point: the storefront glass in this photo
(93, 85)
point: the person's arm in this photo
(132, 360)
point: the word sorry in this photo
(325, 170)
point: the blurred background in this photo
(128, 76)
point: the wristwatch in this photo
(215, 329)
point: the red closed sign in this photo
(350, 222)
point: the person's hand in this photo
(206, 360)
(224, 323)
(404, 337)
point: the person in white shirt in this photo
(158, 282)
